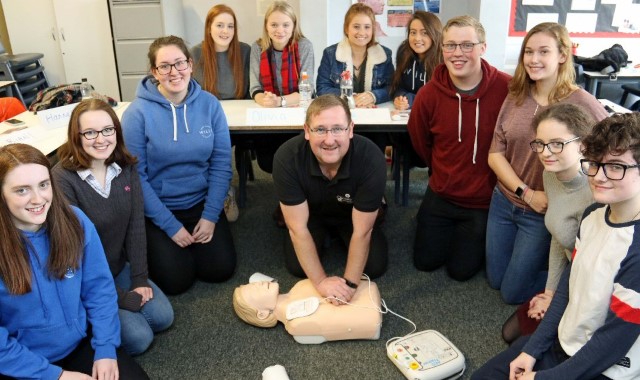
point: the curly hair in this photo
(577, 120)
(614, 135)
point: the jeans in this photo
(517, 250)
(137, 328)
(449, 235)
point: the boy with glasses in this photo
(330, 180)
(592, 326)
(451, 128)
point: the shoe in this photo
(230, 206)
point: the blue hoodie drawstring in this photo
(175, 121)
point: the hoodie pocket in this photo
(179, 187)
(51, 341)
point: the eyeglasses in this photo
(92, 135)
(612, 170)
(554, 147)
(165, 68)
(335, 131)
(466, 47)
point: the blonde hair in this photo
(248, 314)
(285, 8)
(360, 9)
(520, 85)
(463, 21)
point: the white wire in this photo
(383, 309)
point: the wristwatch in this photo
(520, 191)
(283, 101)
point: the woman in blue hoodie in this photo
(179, 134)
(58, 302)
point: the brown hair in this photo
(463, 21)
(324, 102)
(209, 59)
(71, 154)
(433, 56)
(520, 85)
(285, 8)
(575, 118)
(63, 228)
(356, 9)
(615, 135)
(166, 41)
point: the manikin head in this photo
(254, 303)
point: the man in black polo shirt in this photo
(331, 180)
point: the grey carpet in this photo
(208, 341)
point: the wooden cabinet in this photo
(135, 24)
(74, 36)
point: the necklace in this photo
(630, 220)
(536, 111)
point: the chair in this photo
(26, 70)
(633, 89)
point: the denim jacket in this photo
(337, 58)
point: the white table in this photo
(612, 107)
(594, 79)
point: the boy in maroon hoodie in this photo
(451, 128)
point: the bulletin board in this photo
(583, 18)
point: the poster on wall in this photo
(393, 16)
(583, 18)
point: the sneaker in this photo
(230, 206)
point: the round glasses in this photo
(92, 135)
(165, 68)
(612, 170)
(554, 147)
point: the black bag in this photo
(607, 62)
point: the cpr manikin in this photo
(260, 304)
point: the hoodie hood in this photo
(442, 81)
(148, 90)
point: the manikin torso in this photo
(360, 320)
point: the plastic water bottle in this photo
(346, 88)
(304, 89)
(85, 89)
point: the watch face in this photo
(519, 192)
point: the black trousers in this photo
(175, 269)
(81, 360)
(450, 235)
(378, 247)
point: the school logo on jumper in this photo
(344, 198)
(70, 273)
(206, 131)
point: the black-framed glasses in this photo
(335, 131)
(165, 68)
(554, 147)
(466, 47)
(612, 170)
(92, 135)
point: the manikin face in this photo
(27, 192)
(419, 41)
(100, 148)
(465, 67)
(542, 58)
(360, 30)
(222, 30)
(261, 296)
(280, 29)
(175, 83)
(565, 164)
(329, 149)
(624, 191)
